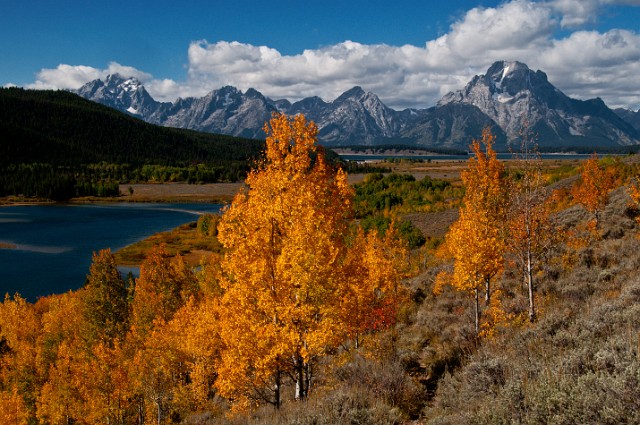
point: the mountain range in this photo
(508, 98)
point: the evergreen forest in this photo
(57, 145)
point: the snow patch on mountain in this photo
(509, 98)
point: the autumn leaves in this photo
(506, 219)
(297, 281)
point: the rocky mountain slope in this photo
(508, 98)
(631, 117)
(515, 97)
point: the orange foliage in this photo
(372, 293)
(634, 192)
(592, 191)
(164, 285)
(476, 241)
(495, 317)
(280, 274)
(288, 271)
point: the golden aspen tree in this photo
(64, 351)
(187, 347)
(60, 401)
(281, 273)
(371, 295)
(105, 387)
(164, 285)
(20, 329)
(12, 408)
(531, 231)
(593, 188)
(194, 331)
(157, 371)
(476, 240)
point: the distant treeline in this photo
(601, 150)
(382, 149)
(62, 183)
(57, 145)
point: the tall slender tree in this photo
(531, 230)
(476, 240)
(288, 274)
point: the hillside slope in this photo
(580, 363)
(61, 128)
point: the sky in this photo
(408, 52)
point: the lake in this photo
(54, 243)
(501, 156)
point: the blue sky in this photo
(409, 52)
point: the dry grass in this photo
(184, 240)
(435, 224)
(180, 192)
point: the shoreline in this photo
(214, 193)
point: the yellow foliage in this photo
(476, 240)
(164, 285)
(281, 272)
(592, 191)
(495, 317)
(634, 193)
(12, 408)
(292, 287)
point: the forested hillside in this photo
(55, 144)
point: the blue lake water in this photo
(55, 243)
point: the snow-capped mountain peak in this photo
(509, 98)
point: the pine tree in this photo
(105, 298)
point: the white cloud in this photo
(584, 63)
(65, 77)
(402, 76)
(576, 13)
(589, 64)
(74, 76)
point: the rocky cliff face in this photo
(516, 98)
(631, 117)
(509, 98)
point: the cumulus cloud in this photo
(579, 12)
(74, 76)
(584, 64)
(401, 75)
(589, 64)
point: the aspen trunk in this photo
(477, 296)
(158, 405)
(487, 293)
(300, 391)
(276, 390)
(307, 378)
(532, 307)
